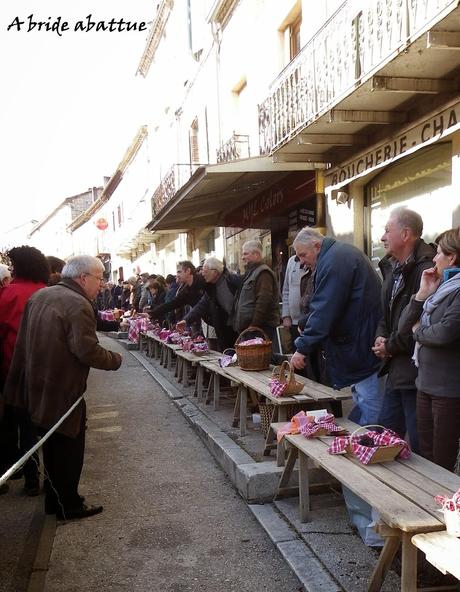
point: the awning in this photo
(215, 191)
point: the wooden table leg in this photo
(409, 564)
(198, 390)
(185, 381)
(280, 454)
(286, 474)
(387, 554)
(282, 413)
(270, 437)
(304, 488)
(178, 369)
(243, 410)
(210, 388)
(216, 388)
(236, 409)
(169, 359)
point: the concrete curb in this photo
(39, 572)
(255, 482)
(301, 559)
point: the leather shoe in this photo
(32, 489)
(51, 505)
(83, 511)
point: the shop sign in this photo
(438, 126)
(102, 224)
(288, 192)
(301, 217)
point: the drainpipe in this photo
(216, 34)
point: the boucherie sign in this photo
(291, 190)
(423, 134)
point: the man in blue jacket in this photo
(344, 312)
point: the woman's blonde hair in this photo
(449, 243)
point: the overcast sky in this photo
(70, 104)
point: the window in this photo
(193, 143)
(294, 37)
(422, 182)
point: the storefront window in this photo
(421, 182)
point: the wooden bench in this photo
(312, 394)
(401, 491)
(214, 388)
(187, 359)
(153, 345)
(441, 549)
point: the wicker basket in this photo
(266, 414)
(254, 357)
(285, 375)
(383, 453)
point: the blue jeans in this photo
(399, 413)
(368, 398)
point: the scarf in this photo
(432, 302)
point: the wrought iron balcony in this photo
(176, 176)
(235, 148)
(349, 48)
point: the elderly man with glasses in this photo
(55, 349)
(215, 306)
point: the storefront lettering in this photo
(263, 203)
(438, 126)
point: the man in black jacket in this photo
(216, 303)
(407, 257)
(189, 292)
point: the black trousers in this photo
(63, 461)
(17, 436)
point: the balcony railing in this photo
(235, 148)
(345, 51)
(176, 176)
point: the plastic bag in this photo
(364, 517)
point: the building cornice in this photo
(155, 36)
(222, 11)
(114, 180)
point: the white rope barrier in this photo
(17, 465)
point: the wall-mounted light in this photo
(342, 197)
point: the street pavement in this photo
(172, 521)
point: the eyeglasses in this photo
(100, 279)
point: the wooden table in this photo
(401, 491)
(187, 359)
(442, 550)
(252, 384)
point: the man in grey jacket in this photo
(290, 311)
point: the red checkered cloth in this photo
(164, 334)
(187, 344)
(277, 388)
(136, 326)
(451, 504)
(175, 337)
(200, 347)
(365, 453)
(298, 421)
(107, 315)
(326, 422)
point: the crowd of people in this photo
(392, 337)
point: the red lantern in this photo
(102, 224)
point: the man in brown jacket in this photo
(56, 346)
(257, 301)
